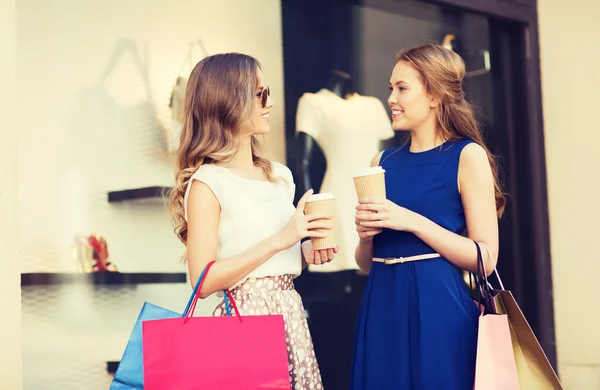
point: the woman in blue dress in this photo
(417, 326)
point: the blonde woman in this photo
(232, 205)
(417, 326)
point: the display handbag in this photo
(224, 353)
(534, 371)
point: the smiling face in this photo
(260, 117)
(411, 104)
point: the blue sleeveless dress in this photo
(417, 325)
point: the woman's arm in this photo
(364, 254)
(203, 223)
(476, 185)
(364, 251)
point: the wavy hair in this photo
(442, 72)
(220, 98)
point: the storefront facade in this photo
(85, 78)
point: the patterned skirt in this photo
(276, 295)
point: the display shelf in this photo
(101, 278)
(138, 193)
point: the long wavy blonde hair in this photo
(220, 98)
(442, 72)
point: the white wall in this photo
(569, 41)
(91, 122)
(11, 367)
(82, 138)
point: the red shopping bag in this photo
(220, 353)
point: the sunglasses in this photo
(264, 96)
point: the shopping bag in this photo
(222, 353)
(534, 371)
(495, 367)
(130, 373)
(533, 368)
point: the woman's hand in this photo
(383, 214)
(317, 257)
(301, 226)
(365, 234)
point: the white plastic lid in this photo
(323, 196)
(369, 171)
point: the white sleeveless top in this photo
(252, 211)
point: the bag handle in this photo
(487, 249)
(486, 297)
(228, 297)
(196, 288)
(191, 305)
(481, 279)
(481, 263)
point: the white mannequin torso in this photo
(349, 132)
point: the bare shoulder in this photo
(201, 194)
(474, 157)
(375, 161)
(474, 168)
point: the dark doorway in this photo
(361, 38)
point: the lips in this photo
(266, 115)
(396, 113)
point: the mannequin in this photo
(340, 83)
(349, 128)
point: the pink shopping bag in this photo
(495, 368)
(223, 353)
(495, 365)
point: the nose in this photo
(392, 99)
(269, 102)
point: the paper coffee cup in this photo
(370, 182)
(324, 202)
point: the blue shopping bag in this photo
(130, 373)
